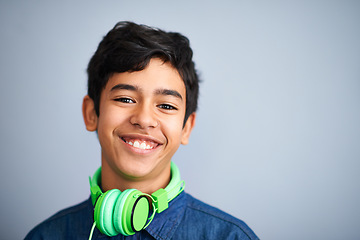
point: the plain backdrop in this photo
(277, 140)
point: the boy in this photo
(142, 99)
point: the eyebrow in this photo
(124, 87)
(166, 92)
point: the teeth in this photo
(137, 144)
(143, 145)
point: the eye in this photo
(124, 100)
(167, 107)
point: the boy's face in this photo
(140, 125)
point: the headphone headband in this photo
(174, 188)
(129, 211)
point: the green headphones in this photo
(129, 211)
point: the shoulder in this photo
(212, 223)
(64, 223)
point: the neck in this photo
(112, 179)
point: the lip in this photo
(141, 137)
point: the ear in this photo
(89, 114)
(189, 125)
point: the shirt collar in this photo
(165, 223)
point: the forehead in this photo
(157, 75)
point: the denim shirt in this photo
(186, 218)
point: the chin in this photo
(136, 171)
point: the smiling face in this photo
(140, 126)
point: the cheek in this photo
(172, 128)
(109, 119)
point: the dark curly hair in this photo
(129, 47)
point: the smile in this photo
(140, 144)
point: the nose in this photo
(144, 117)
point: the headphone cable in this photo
(92, 230)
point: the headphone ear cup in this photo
(120, 213)
(104, 212)
(131, 212)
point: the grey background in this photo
(277, 141)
